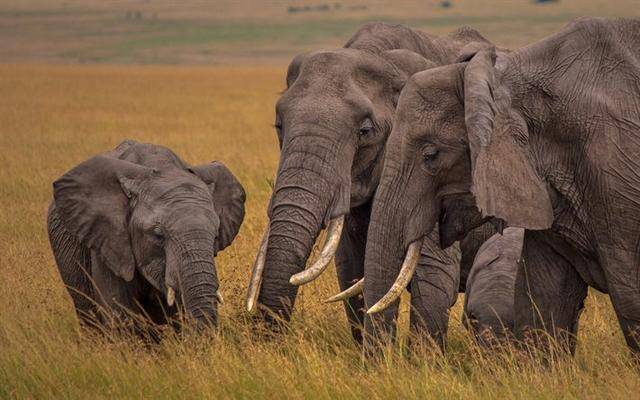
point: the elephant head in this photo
(165, 222)
(457, 157)
(332, 123)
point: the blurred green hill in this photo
(248, 32)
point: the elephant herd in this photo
(437, 165)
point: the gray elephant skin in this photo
(546, 138)
(332, 122)
(137, 225)
(490, 288)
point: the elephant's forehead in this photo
(151, 155)
(430, 112)
(336, 68)
(170, 185)
(334, 58)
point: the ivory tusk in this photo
(327, 253)
(219, 297)
(171, 296)
(404, 277)
(257, 273)
(351, 291)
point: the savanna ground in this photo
(54, 116)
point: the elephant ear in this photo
(93, 202)
(228, 200)
(469, 50)
(294, 69)
(505, 183)
(407, 62)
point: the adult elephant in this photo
(332, 123)
(546, 138)
(137, 225)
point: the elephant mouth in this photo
(458, 215)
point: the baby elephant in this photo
(489, 297)
(135, 230)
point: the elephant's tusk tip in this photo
(219, 297)
(354, 290)
(171, 296)
(373, 310)
(295, 280)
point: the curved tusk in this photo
(351, 291)
(327, 253)
(171, 296)
(219, 297)
(403, 279)
(256, 275)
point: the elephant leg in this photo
(116, 297)
(350, 265)
(549, 293)
(621, 272)
(627, 306)
(434, 290)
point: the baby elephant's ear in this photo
(93, 201)
(228, 200)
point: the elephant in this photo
(332, 123)
(490, 287)
(136, 225)
(545, 138)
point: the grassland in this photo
(53, 117)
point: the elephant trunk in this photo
(198, 280)
(393, 248)
(302, 203)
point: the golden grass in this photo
(51, 118)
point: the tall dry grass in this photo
(51, 118)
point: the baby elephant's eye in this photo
(429, 153)
(366, 127)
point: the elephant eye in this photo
(366, 127)
(158, 233)
(278, 126)
(429, 153)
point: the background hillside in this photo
(249, 32)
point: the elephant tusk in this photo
(351, 291)
(404, 277)
(219, 297)
(326, 255)
(256, 275)
(171, 296)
